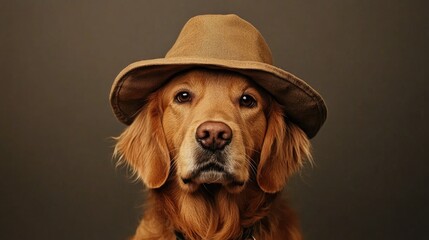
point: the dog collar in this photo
(247, 234)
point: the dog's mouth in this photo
(212, 173)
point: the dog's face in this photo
(217, 124)
(213, 127)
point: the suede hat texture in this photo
(224, 42)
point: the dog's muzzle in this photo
(212, 156)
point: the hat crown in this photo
(221, 37)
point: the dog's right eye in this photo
(183, 97)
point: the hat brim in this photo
(302, 104)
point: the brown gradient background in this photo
(368, 59)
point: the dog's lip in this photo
(211, 172)
(212, 178)
(209, 167)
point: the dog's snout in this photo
(213, 135)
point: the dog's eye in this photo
(247, 101)
(183, 97)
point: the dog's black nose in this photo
(213, 135)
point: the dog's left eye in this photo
(183, 97)
(247, 101)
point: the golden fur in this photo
(265, 150)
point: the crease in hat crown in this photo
(228, 37)
(220, 42)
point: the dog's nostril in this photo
(205, 135)
(213, 135)
(225, 135)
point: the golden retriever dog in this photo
(214, 151)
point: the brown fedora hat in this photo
(219, 42)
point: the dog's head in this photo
(213, 127)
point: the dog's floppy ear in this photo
(143, 146)
(284, 151)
